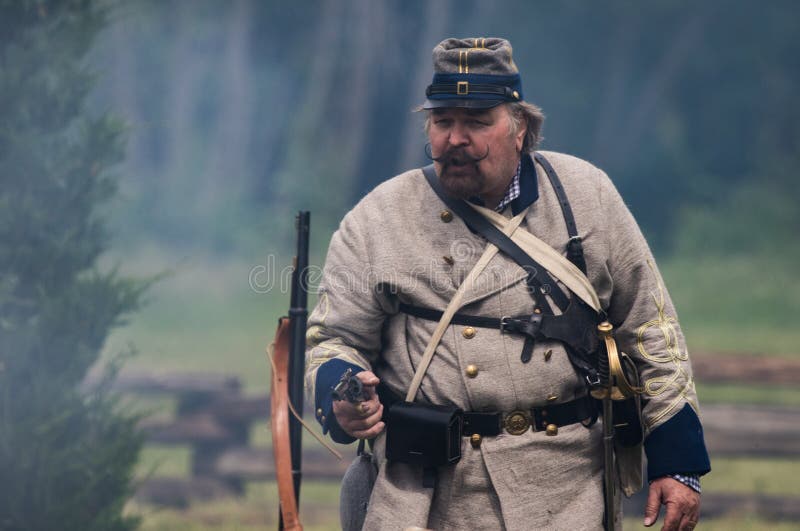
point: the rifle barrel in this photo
(298, 315)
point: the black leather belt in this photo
(545, 418)
(509, 324)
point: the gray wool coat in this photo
(395, 246)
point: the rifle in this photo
(288, 364)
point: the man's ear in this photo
(519, 138)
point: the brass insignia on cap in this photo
(463, 61)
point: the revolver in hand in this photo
(349, 388)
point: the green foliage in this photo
(736, 303)
(758, 218)
(245, 113)
(66, 458)
(733, 275)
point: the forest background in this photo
(241, 113)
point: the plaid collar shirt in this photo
(513, 190)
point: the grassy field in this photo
(257, 510)
(205, 316)
(736, 305)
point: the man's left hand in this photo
(682, 502)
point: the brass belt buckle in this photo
(517, 422)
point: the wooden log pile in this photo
(214, 418)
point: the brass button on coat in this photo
(548, 354)
(446, 216)
(472, 371)
(468, 332)
(475, 440)
(552, 398)
(319, 412)
(551, 430)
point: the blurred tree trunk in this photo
(634, 113)
(611, 87)
(356, 92)
(183, 81)
(228, 165)
(657, 83)
(312, 165)
(413, 139)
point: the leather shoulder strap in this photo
(574, 246)
(539, 280)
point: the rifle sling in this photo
(279, 423)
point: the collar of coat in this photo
(528, 187)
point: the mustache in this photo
(456, 155)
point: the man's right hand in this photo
(361, 420)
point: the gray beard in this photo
(462, 187)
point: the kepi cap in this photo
(476, 73)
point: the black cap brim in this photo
(461, 103)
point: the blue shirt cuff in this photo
(677, 447)
(328, 375)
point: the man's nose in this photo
(458, 136)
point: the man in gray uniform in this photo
(401, 256)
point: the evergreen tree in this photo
(66, 456)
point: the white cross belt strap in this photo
(508, 227)
(556, 264)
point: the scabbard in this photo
(279, 421)
(609, 470)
